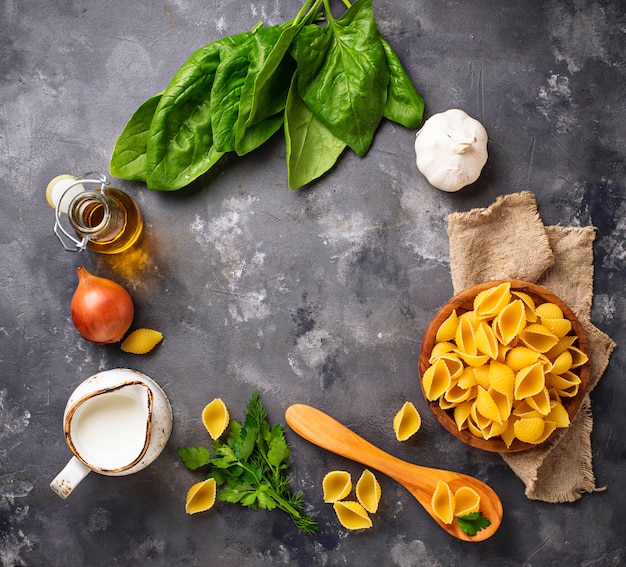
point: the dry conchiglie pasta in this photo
(505, 367)
(406, 422)
(447, 329)
(352, 515)
(368, 491)
(215, 418)
(201, 496)
(466, 501)
(336, 486)
(141, 341)
(443, 502)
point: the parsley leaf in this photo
(194, 458)
(473, 523)
(250, 466)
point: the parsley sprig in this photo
(251, 466)
(472, 523)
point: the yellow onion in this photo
(102, 310)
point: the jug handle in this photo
(69, 478)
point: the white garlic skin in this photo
(451, 149)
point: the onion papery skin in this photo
(102, 310)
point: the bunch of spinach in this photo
(328, 82)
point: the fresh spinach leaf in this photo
(128, 160)
(311, 147)
(180, 144)
(404, 104)
(343, 74)
(249, 136)
(230, 77)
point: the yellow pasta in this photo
(442, 502)
(491, 301)
(466, 501)
(436, 380)
(538, 337)
(406, 422)
(502, 368)
(352, 515)
(509, 322)
(368, 491)
(447, 330)
(215, 418)
(201, 496)
(336, 485)
(141, 341)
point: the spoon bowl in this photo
(324, 431)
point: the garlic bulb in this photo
(451, 149)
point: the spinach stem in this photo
(306, 11)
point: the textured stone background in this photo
(319, 295)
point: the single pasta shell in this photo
(558, 414)
(473, 359)
(466, 501)
(406, 422)
(215, 418)
(439, 349)
(454, 363)
(436, 380)
(201, 496)
(540, 402)
(368, 491)
(549, 310)
(529, 304)
(465, 337)
(442, 502)
(501, 378)
(461, 414)
(538, 337)
(578, 357)
(490, 302)
(486, 340)
(336, 485)
(559, 327)
(508, 435)
(352, 515)
(486, 406)
(529, 430)
(510, 321)
(447, 329)
(520, 356)
(141, 341)
(562, 363)
(529, 381)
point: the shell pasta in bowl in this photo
(504, 365)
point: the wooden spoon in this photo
(324, 431)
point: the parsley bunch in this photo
(251, 466)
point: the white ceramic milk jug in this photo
(116, 423)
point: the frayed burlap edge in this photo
(494, 243)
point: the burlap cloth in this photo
(508, 240)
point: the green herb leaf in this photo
(404, 104)
(472, 523)
(128, 160)
(180, 143)
(194, 457)
(312, 149)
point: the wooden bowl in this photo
(463, 302)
